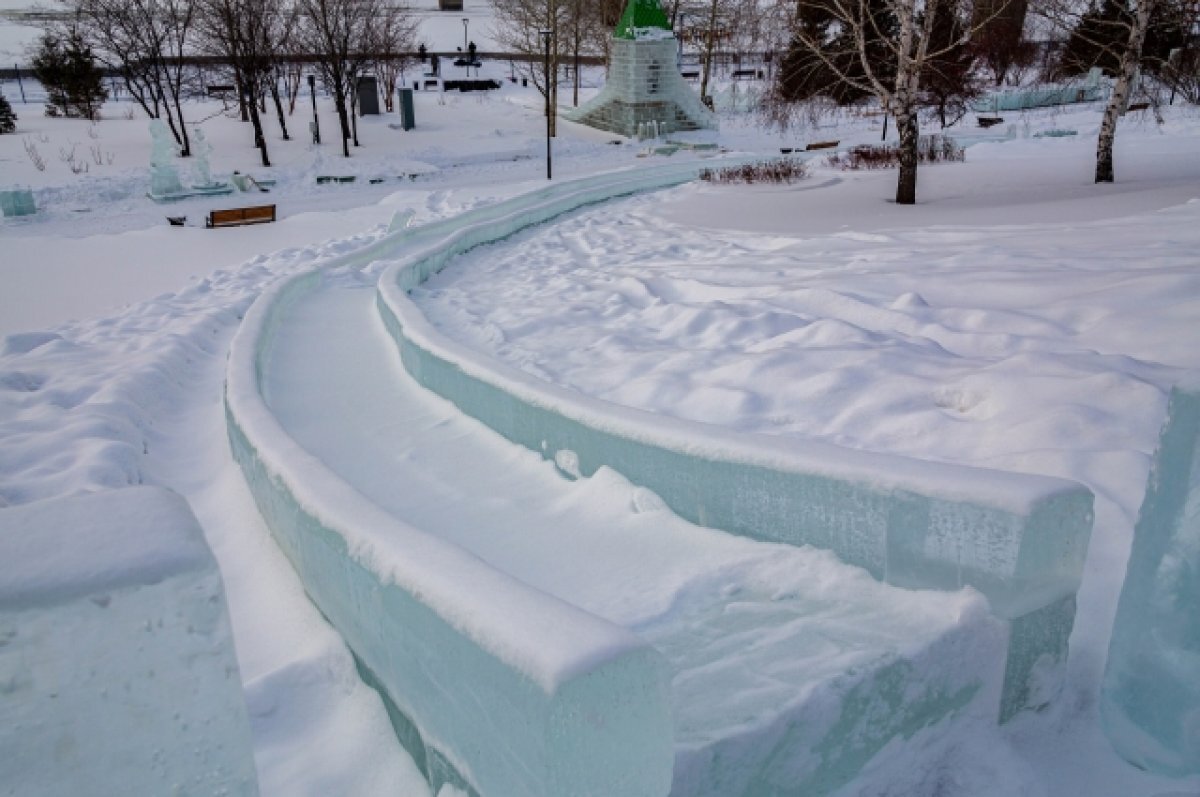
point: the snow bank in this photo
(1019, 539)
(493, 684)
(116, 659)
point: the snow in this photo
(1017, 318)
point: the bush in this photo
(930, 149)
(8, 119)
(783, 170)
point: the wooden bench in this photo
(746, 74)
(236, 217)
(821, 145)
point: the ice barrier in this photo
(493, 686)
(1019, 539)
(117, 667)
(1151, 694)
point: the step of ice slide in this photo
(788, 669)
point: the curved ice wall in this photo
(495, 687)
(1151, 697)
(1019, 539)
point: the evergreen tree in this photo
(1102, 34)
(836, 71)
(948, 80)
(8, 119)
(67, 70)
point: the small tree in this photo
(66, 68)
(8, 119)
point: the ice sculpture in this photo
(164, 176)
(117, 667)
(201, 172)
(1151, 695)
(644, 84)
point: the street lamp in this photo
(466, 23)
(545, 34)
(316, 126)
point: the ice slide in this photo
(538, 636)
(773, 651)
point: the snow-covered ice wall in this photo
(117, 667)
(496, 688)
(1151, 695)
(1019, 539)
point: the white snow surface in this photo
(1018, 317)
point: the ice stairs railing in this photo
(1020, 539)
(585, 702)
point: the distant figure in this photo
(421, 51)
(434, 64)
(471, 52)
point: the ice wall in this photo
(496, 688)
(1151, 695)
(117, 666)
(1019, 539)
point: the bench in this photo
(821, 145)
(236, 217)
(746, 74)
(690, 74)
(989, 121)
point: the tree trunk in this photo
(260, 140)
(906, 185)
(1120, 95)
(186, 150)
(339, 102)
(708, 52)
(279, 109)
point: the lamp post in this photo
(546, 72)
(466, 24)
(316, 127)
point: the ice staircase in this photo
(537, 635)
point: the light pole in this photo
(466, 24)
(546, 73)
(316, 126)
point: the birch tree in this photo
(883, 49)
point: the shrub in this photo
(782, 170)
(8, 118)
(930, 149)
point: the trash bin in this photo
(408, 119)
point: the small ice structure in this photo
(117, 667)
(1151, 694)
(17, 202)
(164, 177)
(201, 173)
(644, 85)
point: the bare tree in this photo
(884, 49)
(518, 28)
(1116, 37)
(145, 42)
(394, 36)
(240, 33)
(341, 36)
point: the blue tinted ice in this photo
(1151, 696)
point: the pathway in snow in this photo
(750, 629)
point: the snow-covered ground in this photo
(1018, 317)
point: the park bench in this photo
(690, 74)
(236, 217)
(822, 145)
(746, 74)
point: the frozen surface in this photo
(493, 685)
(772, 648)
(117, 668)
(1087, 326)
(1019, 539)
(1151, 698)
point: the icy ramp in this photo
(788, 669)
